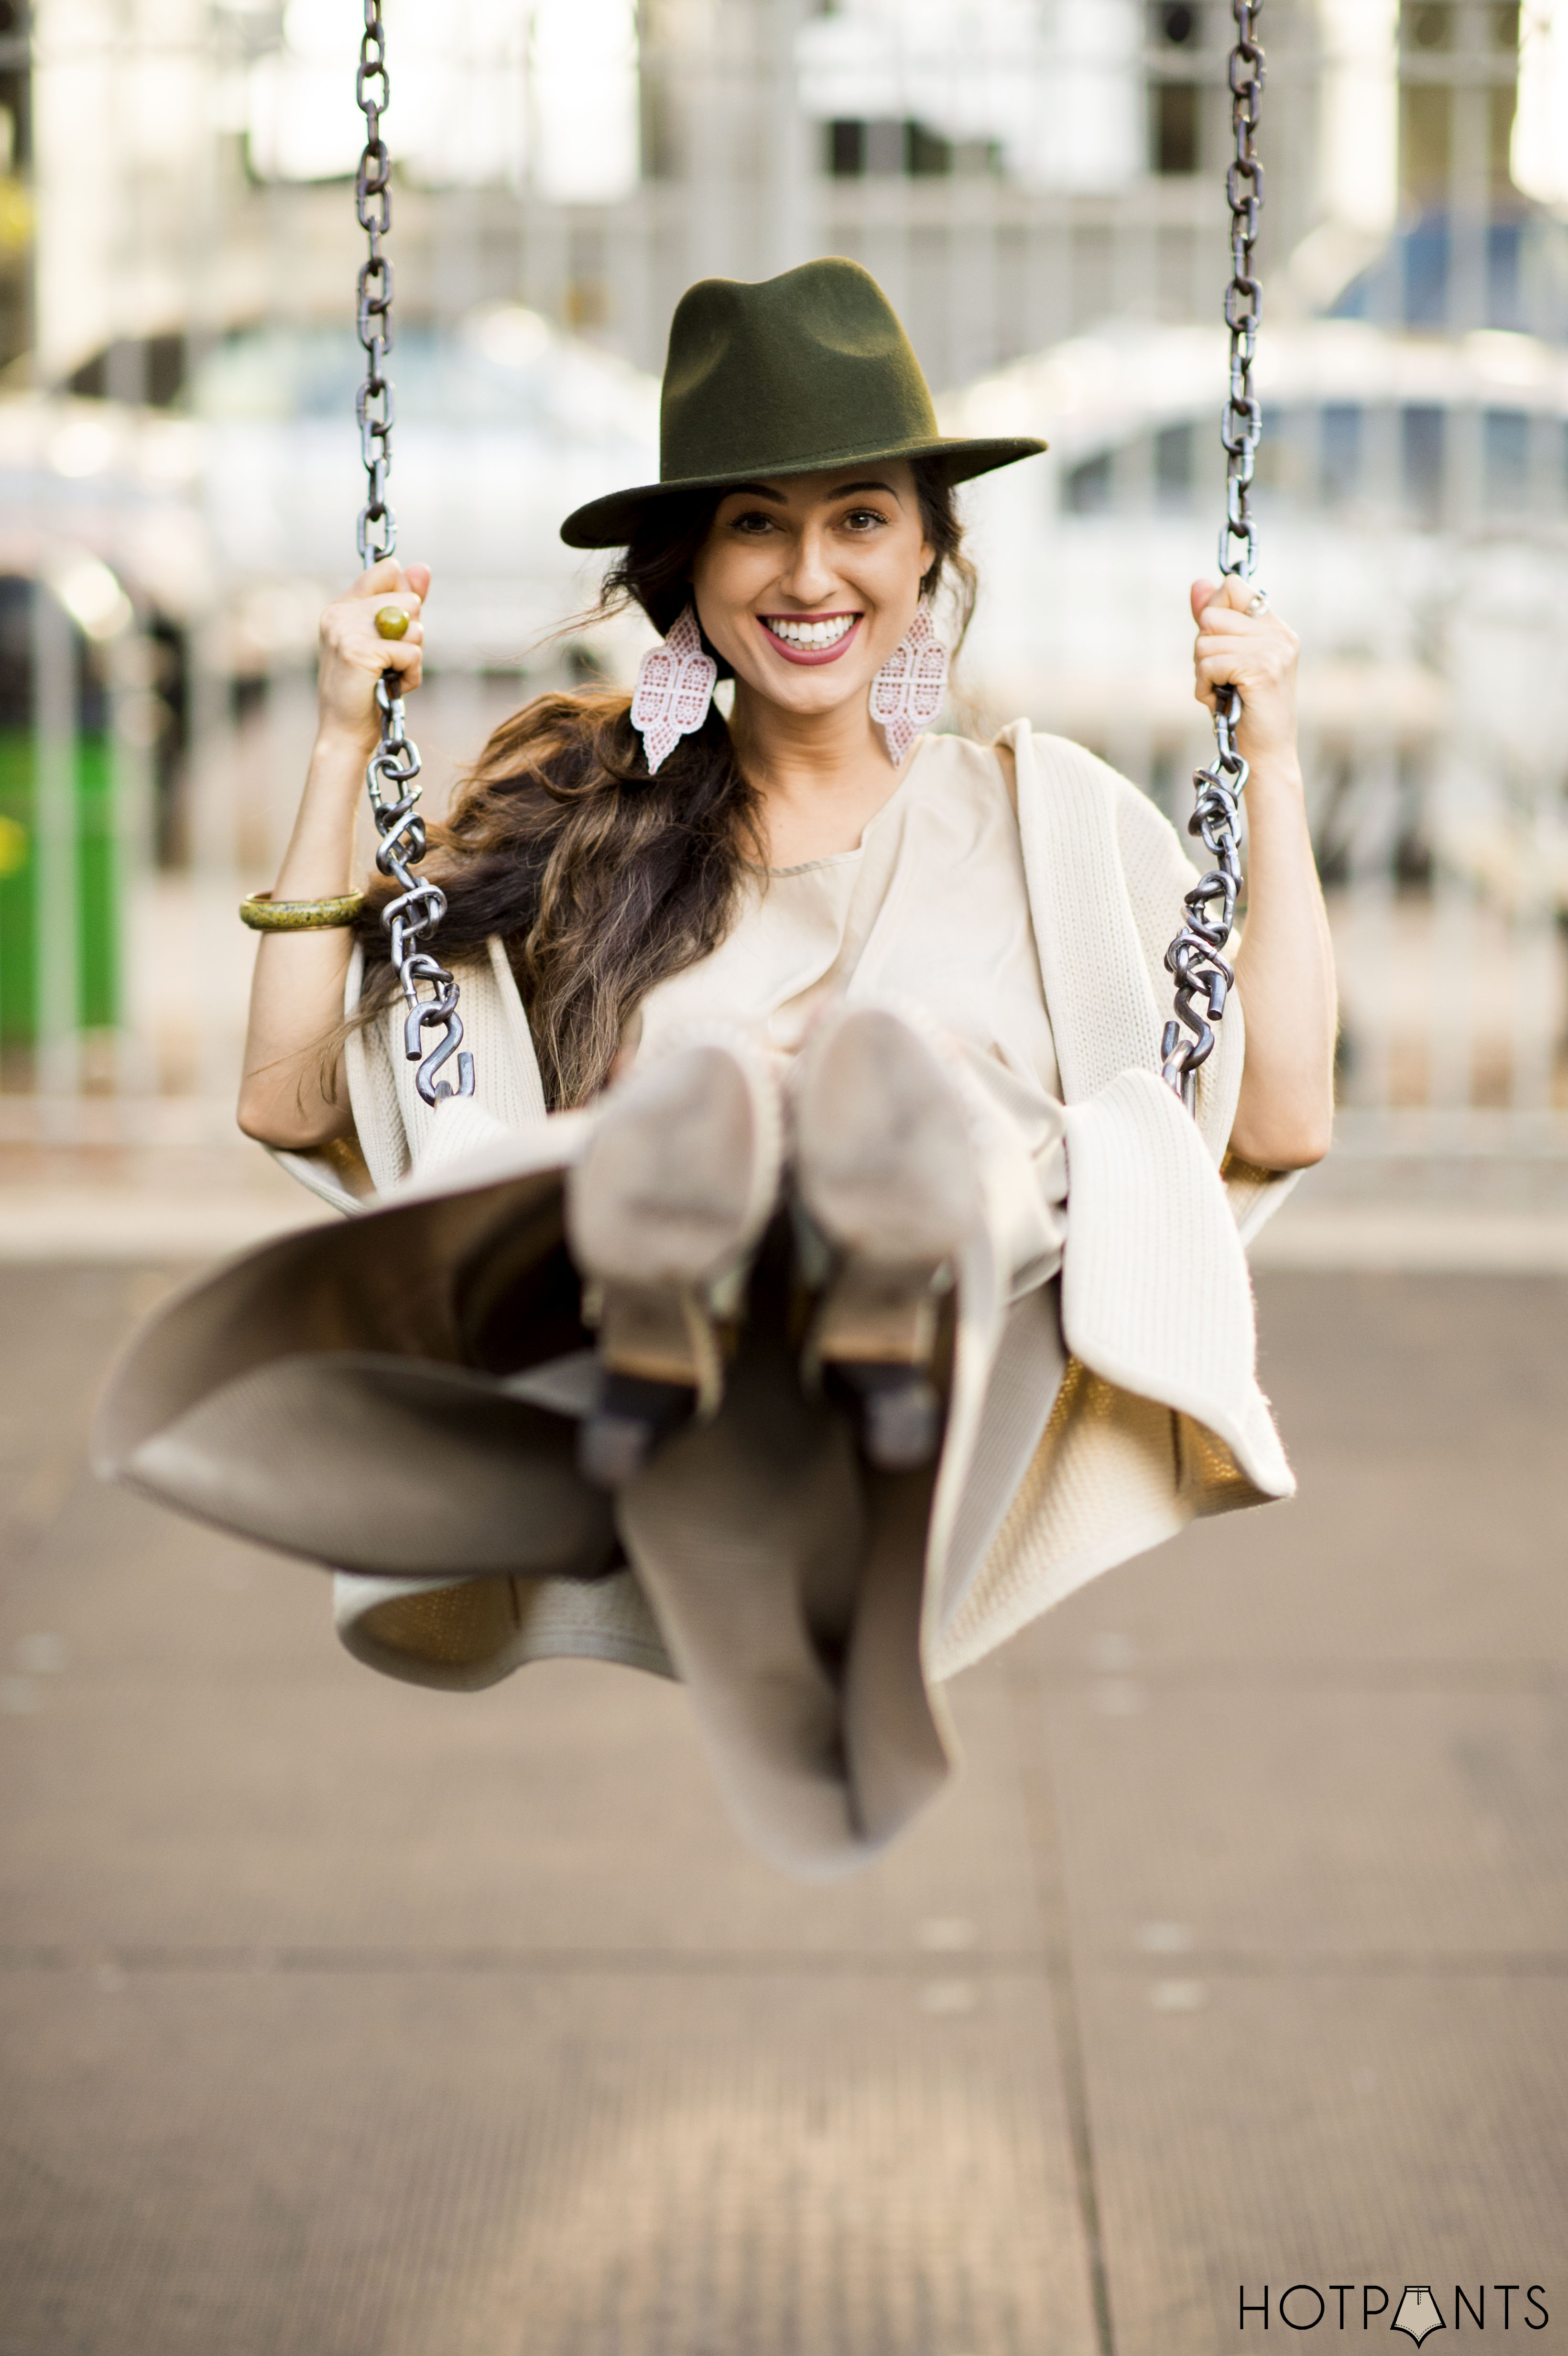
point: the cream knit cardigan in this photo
(1158, 1417)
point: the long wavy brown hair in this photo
(600, 879)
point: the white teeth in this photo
(811, 633)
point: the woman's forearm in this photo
(1284, 966)
(292, 1092)
(286, 1096)
(1284, 976)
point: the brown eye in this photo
(863, 519)
(752, 520)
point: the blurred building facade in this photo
(1038, 185)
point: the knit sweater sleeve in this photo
(396, 1129)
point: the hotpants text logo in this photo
(1351, 2307)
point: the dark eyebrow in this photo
(844, 491)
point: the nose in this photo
(808, 577)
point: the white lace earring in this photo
(675, 687)
(907, 692)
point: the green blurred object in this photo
(97, 915)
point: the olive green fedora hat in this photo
(786, 377)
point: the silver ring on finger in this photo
(1258, 603)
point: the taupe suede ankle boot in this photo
(888, 1175)
(663, 1213)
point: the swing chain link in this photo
(378, 535)
(392, 770)
(1195, 957)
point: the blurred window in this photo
(845, 150)
(1090, 487)
(926, 154)
(1426, 120)
(1176, 112)
(1422, 440)
(150, 370)
(1286, 460)
(1459, 76)
(1425, 258)
(1429, 24)
(884, 149)
(888, 148)
(1506, 304)
(1506, 434)
(1173, 466)
(1340, 451)
(1049, 95)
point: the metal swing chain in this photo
(1203, 980)
(394, 766)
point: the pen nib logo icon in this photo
(1418, 2313)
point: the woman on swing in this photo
(817, 1094)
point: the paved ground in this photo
(342, 2019)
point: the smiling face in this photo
(805, 584)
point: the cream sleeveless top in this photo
(932, 908)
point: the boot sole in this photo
(887, 1169)
(888, 1173)
(664, 1204)
(679, 1178)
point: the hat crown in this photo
(788, 374)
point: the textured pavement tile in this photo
(1382, 1567)
(1384, 1360)
(1304, 1825)
(1333, 2131)
(1424, 1418)
(515, 2166)
(568, 1807)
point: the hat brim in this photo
(612, 521)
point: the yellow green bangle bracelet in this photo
(265, 915)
